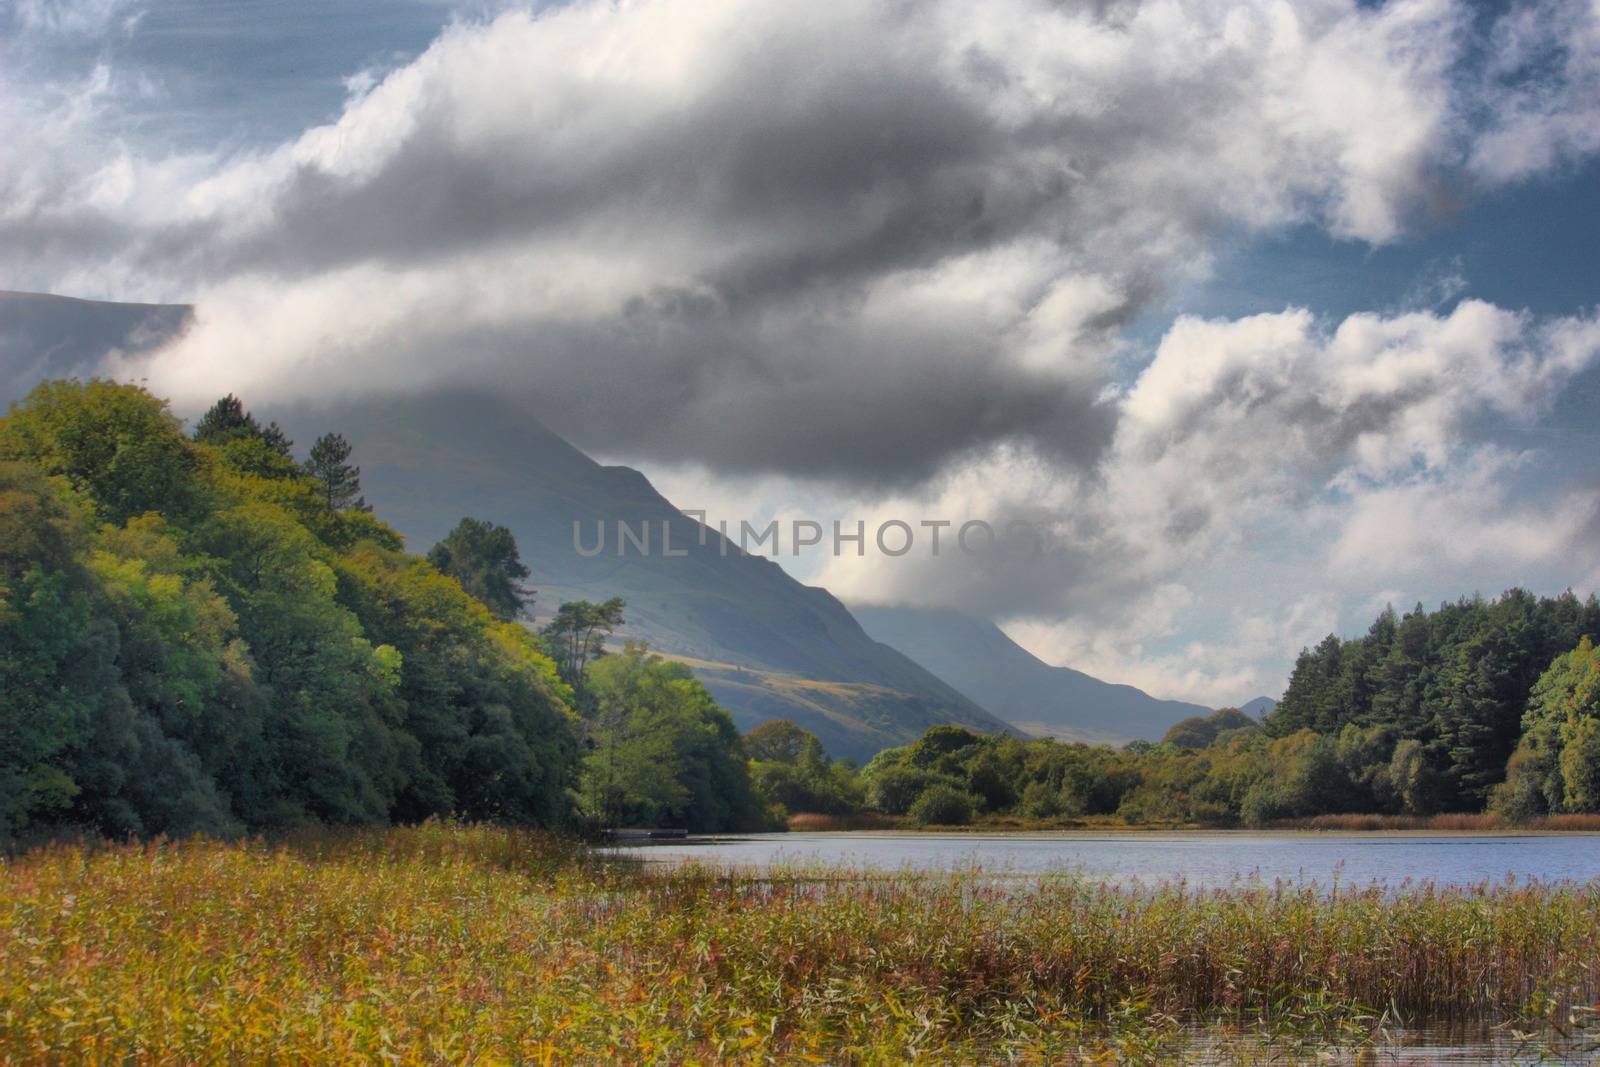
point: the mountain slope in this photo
(44, 336)
(977, 658)
(1258, 708)
(766, 645)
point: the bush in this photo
(1040, 800)
(895, 789)
(942, 805)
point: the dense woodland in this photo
(1479, 705)
(201, 633)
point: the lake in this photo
(1204, 859)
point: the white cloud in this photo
(1465, 519)
(87, 18)
(1264, 462)
(1542, 91)
(1245, 659)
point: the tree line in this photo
(1480, 705)
(201, 633)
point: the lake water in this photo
(1200, 858)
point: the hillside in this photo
(977, 658)
(1259, 708)
(44, 336)
(764, 644)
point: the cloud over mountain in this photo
(851, 240)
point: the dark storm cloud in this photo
(856, 240)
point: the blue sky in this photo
(1272, 313)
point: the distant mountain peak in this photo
(1259, 707)
(976, 657)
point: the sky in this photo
(1266, 314)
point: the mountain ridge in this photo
(979, 659)
(427, 460)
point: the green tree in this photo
(329, 463)
(116, 444)
(227, 421)
(483, 557)
(1201, 730)
(780, 741)
(789, 768)
(1556, 766)
(942, 805)
(485, 723)
(578, 633)
(663, 752)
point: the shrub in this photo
(942, 805)
(895, 789)
(1040, 801)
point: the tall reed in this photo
(450, 944)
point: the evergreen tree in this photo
(341, 480)
(227, 420)
(578, 635)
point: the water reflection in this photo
(1201, 859)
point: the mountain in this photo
(1258, 708)
(977, 658)
(44, 336)
(764, 644)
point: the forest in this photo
(201, 633)
(1482, 705)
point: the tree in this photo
(191, 641)
(663, 752)
(942, 805)
(789, 768)
(1557, 763)
(1201, 730)
(117, 444)
(483, 557)
(227, 420)
(780, 741)
(341, 481)
(578, 635)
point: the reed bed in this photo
(445, 944)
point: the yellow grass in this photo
(447, 944)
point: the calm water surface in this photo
(1201, 859)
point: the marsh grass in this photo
(446, 943)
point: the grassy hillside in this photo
(44, 336)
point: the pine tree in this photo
(341, 481)
(227, 420)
